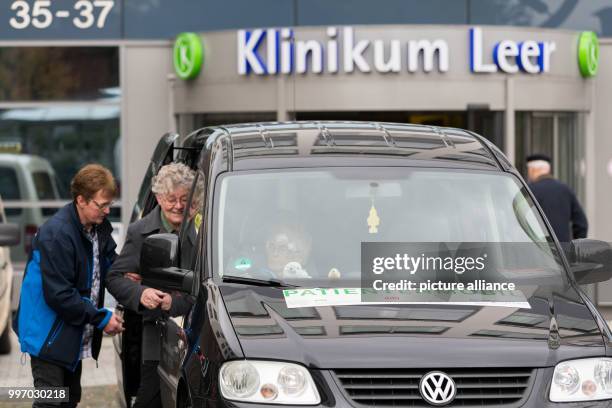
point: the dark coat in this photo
(128, 293)
(561, 207)
(55, 300)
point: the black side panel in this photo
(131, 353)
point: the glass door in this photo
(556, 135)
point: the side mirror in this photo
(158, 260)
(10, 234)
(590, 260)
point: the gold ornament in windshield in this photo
(373, 219)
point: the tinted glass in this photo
(66, 137)
(9, 188)
(192, 221)
(269, 220)
(43, 185)
(319, 12)
(595, 15)
(44, 190)
(166, 19)
(149, 18)
(59, 73)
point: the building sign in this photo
(588, 54)
(341, 53)
(509, 56)
(45, 19)
(277, 51)
(188, 55)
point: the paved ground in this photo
(102, 396)
(99, 383)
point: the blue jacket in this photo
(55, 300)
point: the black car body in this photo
(357, 355)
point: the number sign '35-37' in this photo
(47, 14)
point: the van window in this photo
(9, 188)
(44, 190)
(43, 185)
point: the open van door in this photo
(128, 344)
(163, 154)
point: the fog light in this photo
(269, 391)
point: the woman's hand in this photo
(151, 298)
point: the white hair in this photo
(540, 165)
(172, 176)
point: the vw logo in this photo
(437, 388)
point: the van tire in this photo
(5, 339)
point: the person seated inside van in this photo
(286, 249)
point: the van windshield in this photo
(308, 224)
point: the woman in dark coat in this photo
(171, 188)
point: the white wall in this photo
(601, 223)
(145, 111)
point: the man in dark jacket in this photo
(171, 187)
(60, 318)
(556, 199)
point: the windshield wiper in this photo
(257, 282)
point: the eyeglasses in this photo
(173, 201)
(281, 245)
(104, 206)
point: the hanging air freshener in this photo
(373, 219)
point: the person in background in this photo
(171, 187)
(557, 200)
(60, 318)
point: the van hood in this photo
(557, 326)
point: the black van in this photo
(282, 312)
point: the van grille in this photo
(476, 387)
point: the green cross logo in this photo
(588, 54)
(188, 55)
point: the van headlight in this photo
(586, 379)
(269, 382)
